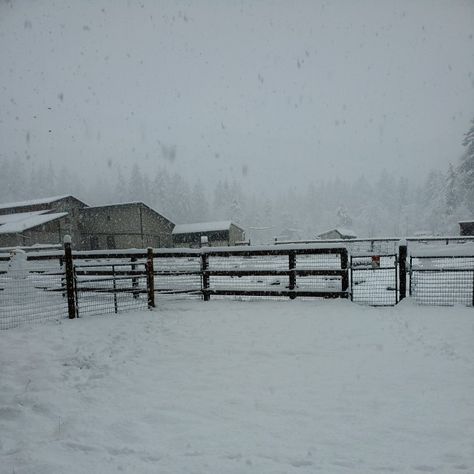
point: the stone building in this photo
(222, 233)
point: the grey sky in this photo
(290, 91)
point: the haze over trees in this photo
(386, 206)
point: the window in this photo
(94, 240)
(110, 242)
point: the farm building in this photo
(338, 233)
(40, 221)
(126, 225)
(218, 234)
(466, 227)
(48, 220)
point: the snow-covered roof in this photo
(342, 231)
(19, 216)
(33, 202)
(130, 203)
(202, 227)
(28, 221)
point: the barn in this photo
(48, 220)
(124, 225)
(221, 233)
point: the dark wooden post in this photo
(292, 273)
(205, 276)
(150, 278)
(69, 266)
(345, 275)
(402, 262)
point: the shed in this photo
(219, 234)
(338, 233)
(466, 227)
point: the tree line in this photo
(387, 206)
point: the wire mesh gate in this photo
(106, 287)
(374, 279)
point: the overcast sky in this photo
(275, 93)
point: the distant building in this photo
(466, 227)
(222, 233)
(125, 225)
(338, 233)
(48, 220)
(39, 221)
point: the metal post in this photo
(205, 276)
(352, 279)
(115, 289)
(345, 276)
(134, 279)
(150, 278)
(292, 273)
(402, 262)
(71, 305)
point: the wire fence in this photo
(442, 280)
(110, 282)
(103, 288)
(374, 280)
(31, 294)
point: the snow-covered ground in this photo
(232, 387)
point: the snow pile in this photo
(232, 387)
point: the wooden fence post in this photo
(150, 278)
(402, 262)
(71, 303)
(292, 274)
(345, 276)
(205, 276)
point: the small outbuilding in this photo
(219, 234)
(338, 233)
(466, 227)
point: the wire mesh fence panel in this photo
(318, 261)
(382, 246)
(249, 283)
(443, 288)
(103, 288)
(177, 264)
(32, 294)
(247, 262)
(374, 280)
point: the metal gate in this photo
(110, 287)
(374, 279)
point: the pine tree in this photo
(452, 192)
(466, 168)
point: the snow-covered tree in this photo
(466, 168)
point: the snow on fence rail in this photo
(440, 279)
(97, 282)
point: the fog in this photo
(276, 95)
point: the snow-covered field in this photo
(232, 387)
